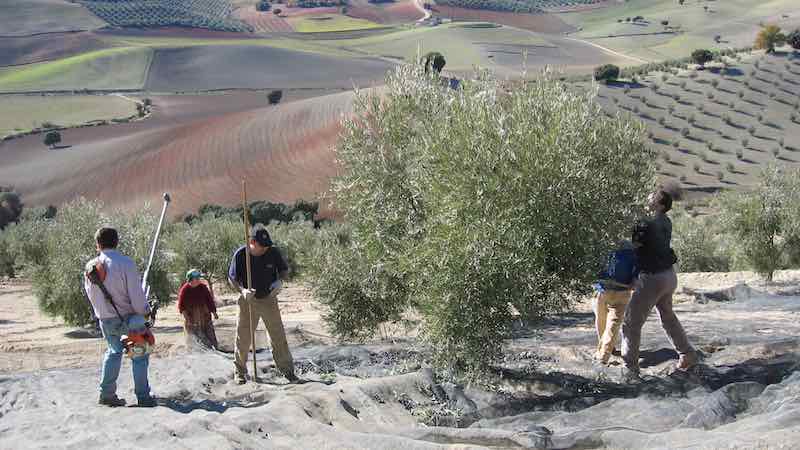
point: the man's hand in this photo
(248, 294)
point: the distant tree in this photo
(701, 56)
(434, 60)
(263, 6)
(10, 206)
(52, 138)
(277, 11)
(665, 23)
(680, 2)
(717, 38)
(606, 72)
(769, 37)
(793, 39)
(274, 97)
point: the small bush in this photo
(607, 72)
(274, 97)
(698, 244)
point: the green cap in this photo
(193, 274)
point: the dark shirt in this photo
(652, 237)
(190, 298)
(265, 269)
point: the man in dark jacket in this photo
(657, 283)
(268, 269)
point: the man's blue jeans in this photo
(113, 329)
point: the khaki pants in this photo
(609, 310)
(654, 289)
(265, 309)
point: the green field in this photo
(463, 45)
(735, 21)
(114, 68)
(323, 23)
(21, 113)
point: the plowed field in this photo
(403, 11)
(262, 22)
(542, 23)
(284, 152)
(29, 17)
(34, 49)
(233, 66)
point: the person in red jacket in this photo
(196, 305)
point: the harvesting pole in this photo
(145, 285)
(249, 275)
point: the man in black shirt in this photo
(656, 284)
(268, 269)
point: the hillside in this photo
(210, 14)
(717, 128)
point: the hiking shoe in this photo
(146, 402)
(630, 376)
(687, 361)
(111, 401)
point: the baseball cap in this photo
(260, 234)
(192, 274)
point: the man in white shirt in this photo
(120, 314)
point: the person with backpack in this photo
(114, 287)
(613, 288)
(652, 238)
(196, 305)
(268, 271)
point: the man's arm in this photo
(135, 292)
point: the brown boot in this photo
(687, 361)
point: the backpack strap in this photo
(96, 273)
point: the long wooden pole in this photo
(249, 275)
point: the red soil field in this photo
(33, 49)
(284, 153)
(262, 22)
(542, 23)
(403, 11)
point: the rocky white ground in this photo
(381, 395)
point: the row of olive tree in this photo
(755, 230)
(466, 203)
(53, 248)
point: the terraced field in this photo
(284, 152)
(542, 22)
(113, 68)
(717, 131)
(30, 17)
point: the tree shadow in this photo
(60, 147)
(785, 159)
(649, 358)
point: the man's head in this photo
(260, 241)
(194, 277)
(660, 201)
(106, 238)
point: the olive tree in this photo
(466, 204)
(765, 221)
(55, 251)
